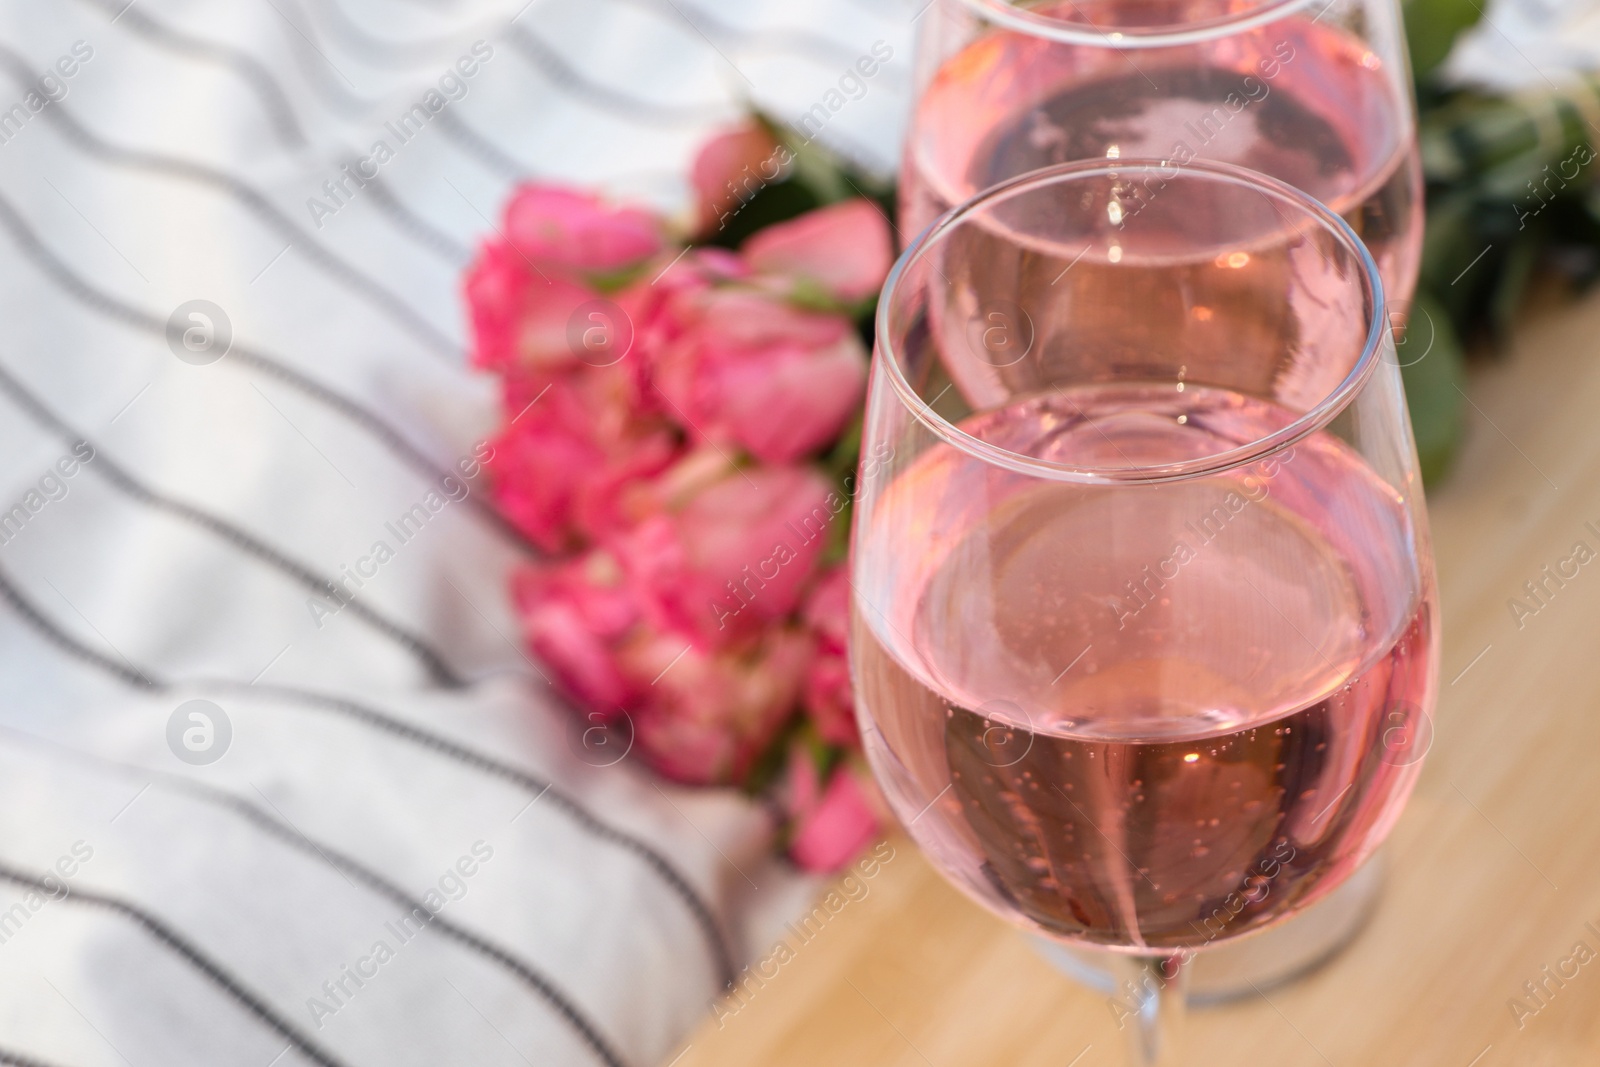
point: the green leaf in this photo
(829, 176)
(1430, 361)
(812, 295)
(839, 464)
(1431, 29)
(1451, 247)
(1512, 283)
(815, 178)
(771, 204)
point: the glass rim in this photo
(887, 353)
(1024, 20)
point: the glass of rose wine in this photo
(1143, 592)
(1316, 93)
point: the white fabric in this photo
(208, 905)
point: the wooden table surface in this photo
(1493, 871)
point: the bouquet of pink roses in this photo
(668, 410)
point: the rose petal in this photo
(575, 230)
(731, 168)
(735, 558)
(840, 827)
(796, 403)
(573, 615)
(749, 368)
(845, 248)
(707, 716)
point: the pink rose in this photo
(707, 716)
(524, 289)
(731, 168)
(564, 466)
(828, 695)
(568, 230)
(575, 614)
(837, 828)
(496, 292)
(735, 558)
(533, 324)
(658, 306)
(844, 248)
(519, 320)
(754, 370)
(800, 791)
(698, 717)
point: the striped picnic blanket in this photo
(278, 784)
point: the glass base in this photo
(1241, 968)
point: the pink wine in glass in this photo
(1302, 101)
(1168, 714)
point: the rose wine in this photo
(1143, 717)
(1298, 100)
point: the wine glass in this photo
(1142, 584)
(1316, 93)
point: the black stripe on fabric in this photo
(281, 115)
(125, 673)
(823, 51)
(241, 62)
(489, 154)
(334, 90)
(393, 53)
(536, 53)
(525, 972)
(505, 166)
(523, 780)
(456, 254)
(105, 304)
(120, 477)
(17, 1059)
(442, 746)
(636, 109)
(318, 70)
(378, 296)
(495, 158)
(251, 1002)
(540, 983)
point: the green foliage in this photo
(840, 467)
(1430, 360)
(1431, 28)
(771, 204)
(815, 177)
(1511, 196)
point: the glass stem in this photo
(1151, 992)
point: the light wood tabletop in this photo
(1493, 871)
